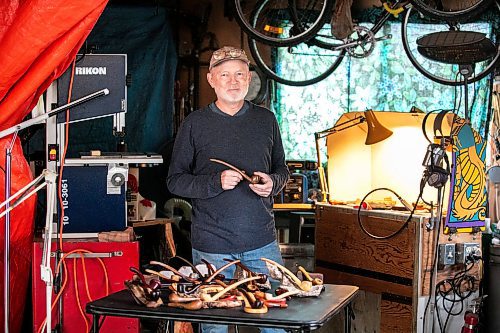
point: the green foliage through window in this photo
(384, 81)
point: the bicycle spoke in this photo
(458, 10)
(282, 22)
(309, 64)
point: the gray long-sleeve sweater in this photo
(236, 220)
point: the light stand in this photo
(376, 133)
(49, 178)
(8, 164)
(6, 254)
(323, 185)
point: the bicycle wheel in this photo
(298, 65)
(443, 73)
(457, 10)
(282, 22)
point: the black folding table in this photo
(302, 315)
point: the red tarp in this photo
(38, 41)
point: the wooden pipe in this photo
(222, 304)
(208, 298)
(193, 267)
(210, 269)
(160, 275)
(303, 285)
(139, 295)
(251, 286)
(251, 305)
(315, 281)
(214, 274)
(220, 283)
(149, 288)
(211, 288)
(176, 298)
(276, 304)
(263, 277)
(263, 309)
(139, 275)
(170, 268)
(254, 179)
(193, 305)
(282, 296)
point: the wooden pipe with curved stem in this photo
(151, 289)
(250, 272)
(252, 305)
(193, 267)
(160, 275)
(139, 274)
(170, 268)
(192, 305)
(303, 285)
(315, 281)
(215, 297)
(251, 286)
(210, 268)
(176, 298)
(214, 274)
(282, 296)
(254, 179)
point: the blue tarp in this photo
(145, 35)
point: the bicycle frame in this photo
(370, 35)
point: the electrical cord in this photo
(456, 105)
(434, 261)
(77, 296)
(62, 263)
(455, 287)
(422, 185)
(474, 98)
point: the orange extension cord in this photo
(65, 280)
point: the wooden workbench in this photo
(392, 273)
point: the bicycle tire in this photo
(418, 61)
(262, 18)
(300, 75)
(465, 9)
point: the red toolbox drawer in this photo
(116, 257)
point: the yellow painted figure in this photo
(467, 205)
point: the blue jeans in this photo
(251, 259)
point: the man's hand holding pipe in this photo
(265, 187)
(229, 179)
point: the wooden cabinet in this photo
(392, 273)
(383, 269)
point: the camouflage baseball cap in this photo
(227, 53)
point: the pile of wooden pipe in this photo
(199, 291)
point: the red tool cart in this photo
(116, 258)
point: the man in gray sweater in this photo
(231, 217)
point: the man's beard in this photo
(229, 97)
